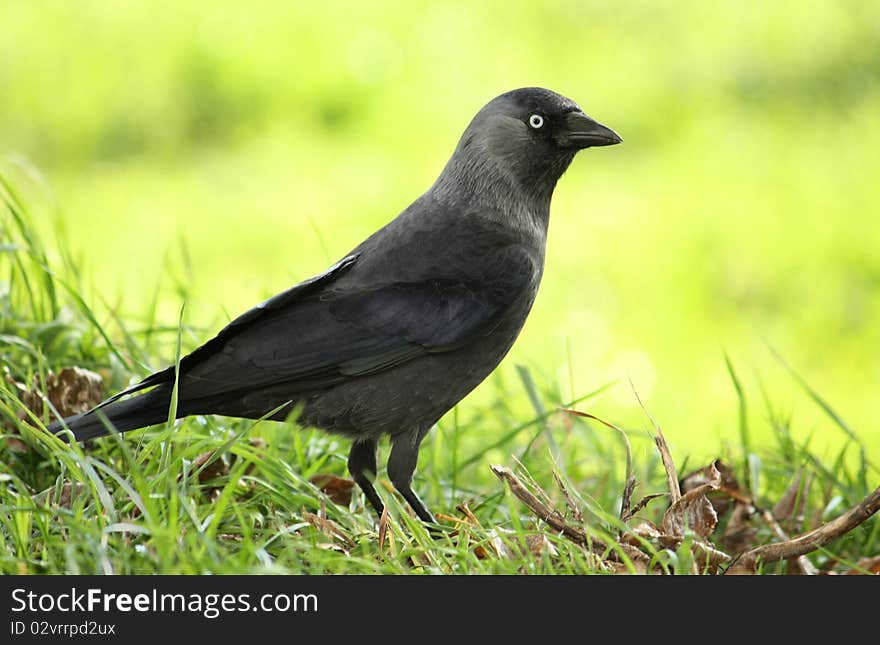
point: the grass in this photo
(219, 157)
(217, 495)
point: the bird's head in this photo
(533, 120)
(527, 138)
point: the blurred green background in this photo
(229, 150)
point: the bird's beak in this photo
(580, 131)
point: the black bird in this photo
(397, 332)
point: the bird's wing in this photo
(248, 318)
(328, 336)
(411, 319)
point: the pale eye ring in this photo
(536, 121)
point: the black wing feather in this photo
(247, 318)
(318, 333)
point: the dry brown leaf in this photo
(338, 489)
(668, 465)
(328, 527)
(481, 552)
(790, 506)
(709, 556)
(729, 486)
(869, 565)
(693, 510)
(538, 545)
(73, 390)
(739, 535)
(646, 530)
(697, 477)
(63, 498)
(535, 544)
(619, 568)
(383, 527)
(215, 469)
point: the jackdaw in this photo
(403, 327)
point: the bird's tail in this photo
(129, 414)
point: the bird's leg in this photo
(402, 465)
(362, 466)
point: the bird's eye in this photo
(536, 121)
